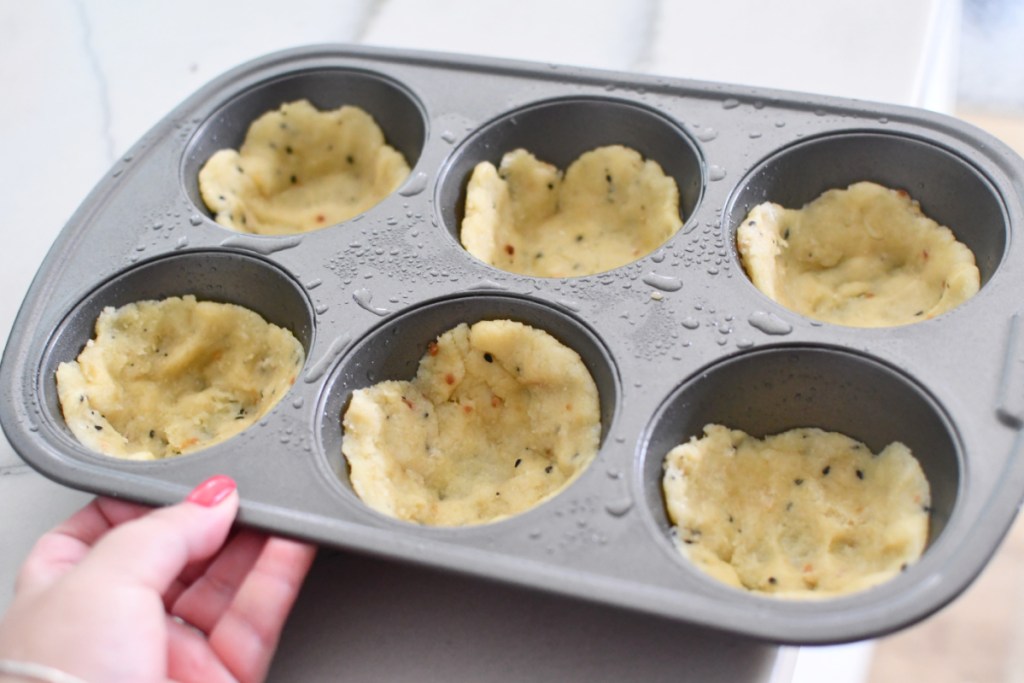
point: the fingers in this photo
(194, 571)
(246, 635)
(210, 595)
(152, 550)
(190, 659)
(57, 551)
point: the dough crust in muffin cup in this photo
(170, 377)
(301, 169)
(863, 256)
(609, 208)
(799, 514)
(500, 417)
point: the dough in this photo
(803, 513)
(163, 378)
(499, 417)
(301, 169)
(611, 208)
(865, 256)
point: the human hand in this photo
(120, 592)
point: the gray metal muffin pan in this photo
(674, 340)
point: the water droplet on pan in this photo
(665, 283)
(263, 245)
(706, 134)
(448, 136)
(488, 284)
(715, 172)
(691, 323)
(195, 219)
(182, 242)
(364, 298)
(414, 186)
(769, 323)
(619, 508)
(730, 103)
(317, 369)
(313, 284)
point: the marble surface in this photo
(84, 79)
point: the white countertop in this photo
(83, 79)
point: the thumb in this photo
(152, 551)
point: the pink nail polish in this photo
(212, 491)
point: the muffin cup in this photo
(776, 389)
(950, 190)
(393, 350)
(221, 277)
(391, 105)
(558, 132)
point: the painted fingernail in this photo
(212, 491)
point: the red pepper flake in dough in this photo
(408, 403)
(432, 348)
(449, 378)
(509, 249)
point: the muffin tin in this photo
(674, 340)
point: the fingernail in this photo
(212, 491)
